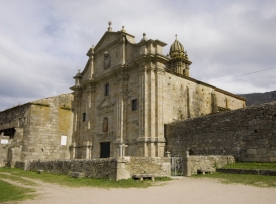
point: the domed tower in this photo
(179, 61)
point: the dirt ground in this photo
(184, 190)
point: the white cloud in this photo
(43, 43)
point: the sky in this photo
(43, 43)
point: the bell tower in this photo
(179, 61)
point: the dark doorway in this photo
(105, 149)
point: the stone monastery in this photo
(121, 102)
(128, 91)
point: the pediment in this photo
(107, 39)
(106, 103)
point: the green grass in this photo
(17, 179)
(253, 165)
(10, 192)
(246, 179)
(89, 182)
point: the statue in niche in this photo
(107, 60)
(105, 124)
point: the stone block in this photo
(77, 174)
(40, 171)
(272, 159)
(251, 151)
(262, 141)
(266, 159)
(261, 151)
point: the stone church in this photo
(128, 90)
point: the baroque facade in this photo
(127, 92)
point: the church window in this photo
(83, 117)
(105, 124)
(106, 89)
(134, 105)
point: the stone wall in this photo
(249, 134)
(96, 168)
(113, 168)
(37, 128)
(149, 165)
(208, 162)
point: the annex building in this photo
(38, 130)
(128, 90)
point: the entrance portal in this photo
(105, 150)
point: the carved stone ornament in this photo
(107, 60)
(105, 124)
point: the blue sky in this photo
(44, 43)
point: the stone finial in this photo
(175, 36)
(92, 48)
(144, 37)
(78, 71)
(123, 29)
(109, 26)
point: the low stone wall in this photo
(96, 168)
(249, 134)
(248, 171)
(208, 162)
(157, 166)
(113, 168)
(21, 165)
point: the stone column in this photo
(214, 103)
(186, 165)
(188, 103)
(122, 150)
(120, 118)
(152, 102)
(143, 112)
(73, 156)
(87, 156)
(143, 103)
(159, 132)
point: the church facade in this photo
(127, 92)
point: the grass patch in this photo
(251, 165)
(17, 179)
(10, 192)
(246, 179)
(88, 182)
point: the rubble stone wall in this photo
(208, 162)
(148, 165)
(249, 134)
(97, 168)
(101, 168)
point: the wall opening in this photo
(105, 150)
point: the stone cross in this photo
(167, 154)
(122, 149)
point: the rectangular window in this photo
(83, 117)
(106, 89)
(63, 140)
(134, 105)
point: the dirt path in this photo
(186, 190)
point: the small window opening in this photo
(19, 122)
(134, 105)
(83, 117)
(106, 89)
(255, 131)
